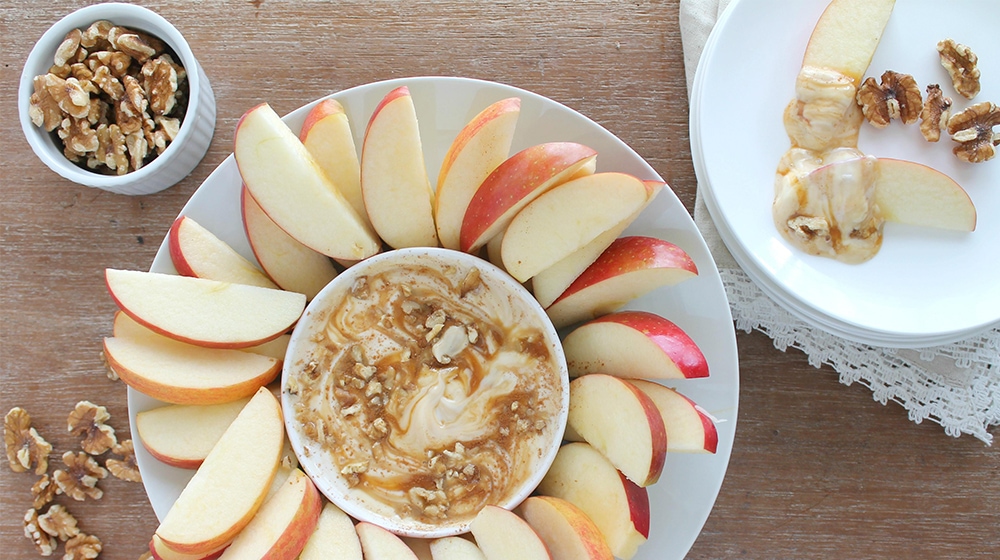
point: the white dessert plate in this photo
(683, 498)
(924, 285)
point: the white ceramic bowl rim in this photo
(300, 337)
(40, 60)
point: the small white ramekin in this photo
(321, 468)
(180, 157)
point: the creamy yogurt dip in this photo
(426, 389)
(824, 192)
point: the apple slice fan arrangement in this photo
(209, 341)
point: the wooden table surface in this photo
(818, 470)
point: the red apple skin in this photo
(517, 180)
(189, 464)
(493, 111)
(174, 244)
(638, 504)
(711, 435)
(628, 254)
(322, 110)
(659, 432)
(301, 527)
(401, 91)
(670, 338)
(709, 441)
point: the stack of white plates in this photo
(925, 287)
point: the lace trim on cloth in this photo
(956, 386)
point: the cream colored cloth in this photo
(957, 386)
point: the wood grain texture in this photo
(819, 470)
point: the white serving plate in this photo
(925, 286)
(683, 498)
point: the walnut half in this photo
(25, 448)
(934, 115)
(88, 420)
(79, 479)
(960, 62)
(896, 97)
(973, 130)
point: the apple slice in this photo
(584, 477)
(334, 537)
(394, 182)
(379, 544)
(204, 312)
(911, 193)
(124, 326)
(517, 181)
(183, 435)
(282, 525)
(326, 134)
(502, 535)
(689, 428)
(846, 35)
(621, 422)
(548, 284)
(477, 150)
(566, 218)
(294, 192)
(179, 373)
(634, 344)
(291, 265)
(195, 251)
(630, 267)
(160, 551)
(566, 530)
(455, 548)
(229, 486)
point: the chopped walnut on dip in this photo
(114, 97)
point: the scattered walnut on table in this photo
(973, 130)
(43, 491)
(896, 97)
(25, 448)
(935, 113)
(79, 479)
(89, 420)
(125, 468)
(59, 523)
(45, 543)
(83, 547)
(960, 62)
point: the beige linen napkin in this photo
(957, 386)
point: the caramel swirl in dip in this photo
(431, 389)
